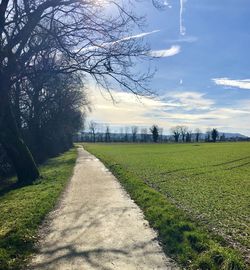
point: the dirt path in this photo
(97, 226)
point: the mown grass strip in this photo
(23, 209)
(181, 238)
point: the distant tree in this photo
(214, 134)
(197, 134)
(183, 131)
(144, 134)
(208, 135)
(107, 134)
(155, 133)
(176, 133)
(134, 131)
(223, 137)
(121, 134)
(99, 137)
(160, 134)
(93, 127)
(189, 136)
(126, 138)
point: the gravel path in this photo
(97, 226)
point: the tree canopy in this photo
(47, 47)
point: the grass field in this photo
(23, 209)
(209, 183)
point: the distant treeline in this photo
(178, 134)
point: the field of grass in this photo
(207, 184)
(23, 209)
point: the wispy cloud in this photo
(110, 44)
(243, 84)
(140, 35)
(188, 39)
(182, 27)
(175, 49)
(190, 100)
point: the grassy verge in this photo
(185, 241)
(23, 209)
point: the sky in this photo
(203, 69)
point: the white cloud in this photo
(243, 84)
(127, 108)
(190, 108)
(190, 100)
(175, 49)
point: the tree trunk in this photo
(12, 142)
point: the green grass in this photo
(196, 195)
(23, 209)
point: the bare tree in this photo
(93, 128)
(144, 134)
(107, 134)
(121, 134)
(197, 134)
(82, 36)
(189, 135)
(134, 131)
(100, 137)
(208, 135)
(49, 110)
(160, 134)
(176, 131)
(126, 139)
(183, 131)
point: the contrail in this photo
(182, 27)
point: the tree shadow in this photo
(10, 184)
(91, 257)
(100, 254)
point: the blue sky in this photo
(203, 74)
